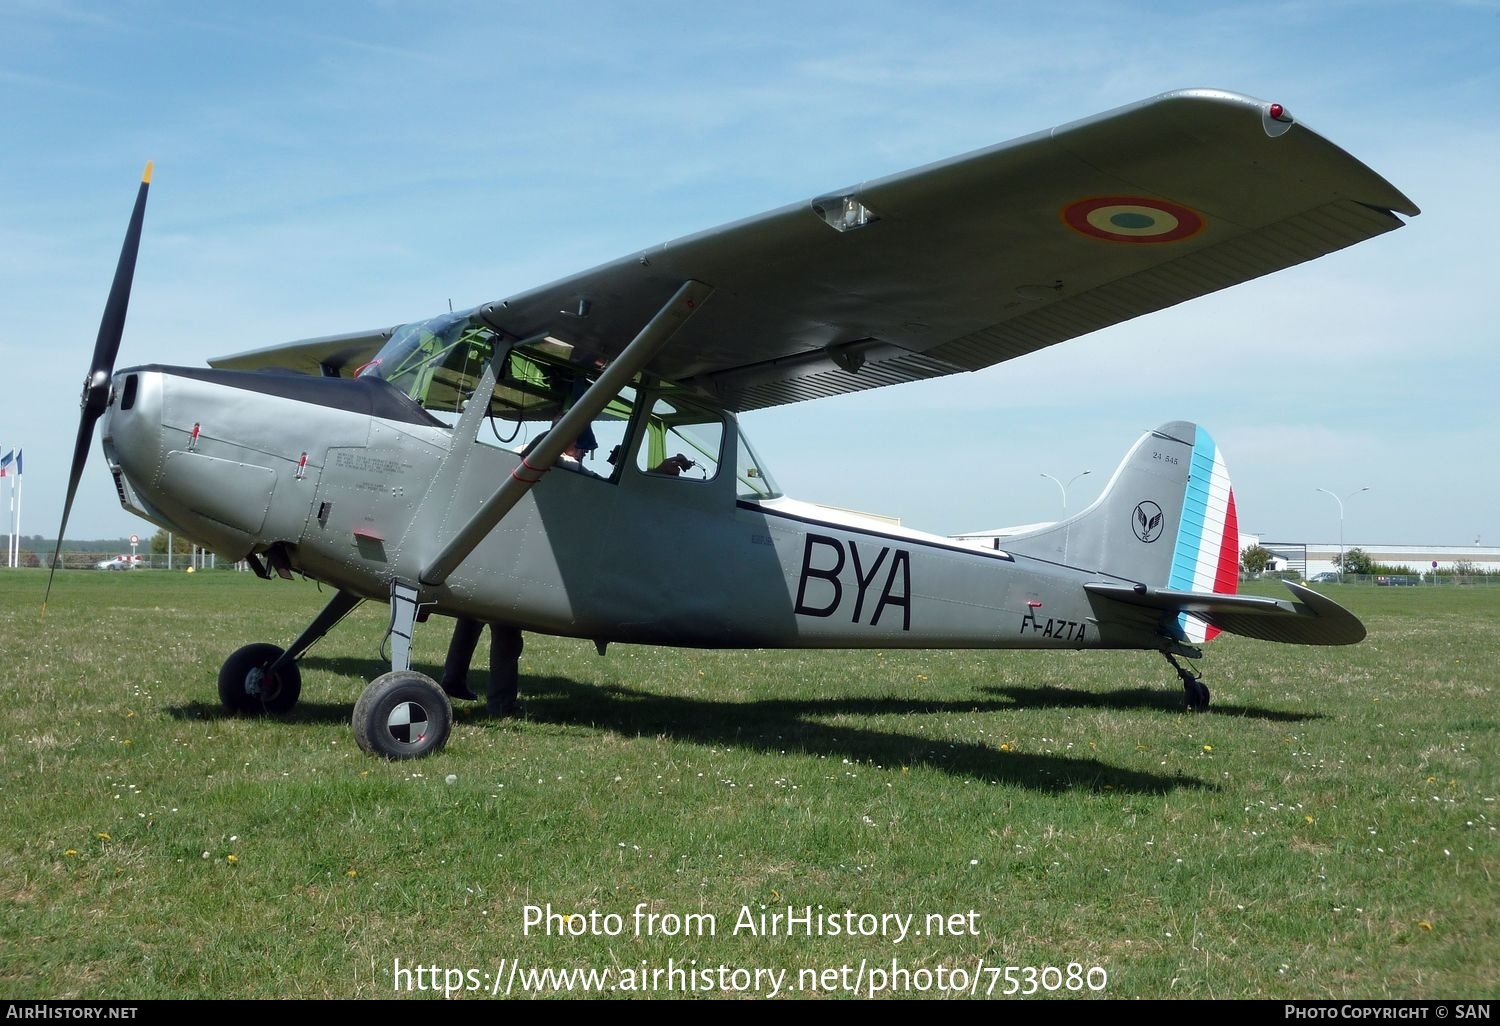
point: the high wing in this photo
(971, 261)
(331, 356)
(1312, 619)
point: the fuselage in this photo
(355, 485)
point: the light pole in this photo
(1064, 488)
(1340, 501)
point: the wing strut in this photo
(657, 332)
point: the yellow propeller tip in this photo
(146, 175)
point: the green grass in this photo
(1329, 831)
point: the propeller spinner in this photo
(96, 386)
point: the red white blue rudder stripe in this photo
(1206, 557)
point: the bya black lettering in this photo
(831, 576)
(897, 577)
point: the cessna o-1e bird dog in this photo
(429, 466)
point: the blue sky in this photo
(337, 166)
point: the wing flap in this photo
(1310, 619)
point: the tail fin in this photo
(1164, 537)
(1166, 520)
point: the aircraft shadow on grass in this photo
(1050, 697)
(795, 726)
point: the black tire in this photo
(1199, 697)
(245, 688)
(402, 715)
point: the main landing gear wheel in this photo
(402, 715)
(245, 686)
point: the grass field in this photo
(1330, 830)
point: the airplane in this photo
(569, 461)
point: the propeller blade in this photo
(95, 398)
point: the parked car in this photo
(1397, 581)
(120, 562)
(1326, 577)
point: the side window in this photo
(606, 437)
(681, 440)
(535, 387)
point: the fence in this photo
(1411, 580)
(200, 560)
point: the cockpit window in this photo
(436, 362)
(439, 362)
(682, 439)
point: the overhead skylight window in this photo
(843, 213)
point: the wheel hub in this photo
(408, 723)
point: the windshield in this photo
(436, 362)
(754, 479)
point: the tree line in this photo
(1357, 562)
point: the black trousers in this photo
(506, 644)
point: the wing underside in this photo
(971, 261)
(1310, 619)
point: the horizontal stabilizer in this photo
(1312, 619)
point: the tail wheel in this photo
(402, 715)
(245, 686)
(1198, 697)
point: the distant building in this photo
(1308, 558)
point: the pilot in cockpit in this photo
(673, 466)
(573, 456)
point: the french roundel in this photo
(1132, 219)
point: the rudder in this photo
(1206, 557)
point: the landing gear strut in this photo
(263, 678)
(403, 714)
(1192, 682)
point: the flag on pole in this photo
(11, 527)
(15, 526)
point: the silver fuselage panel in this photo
(361, 491)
